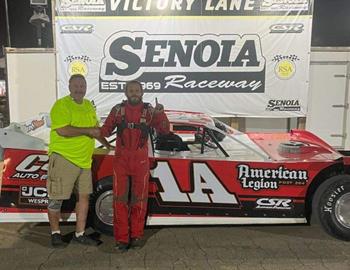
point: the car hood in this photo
(296, 145)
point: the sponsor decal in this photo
(33, 195)
(34, 124)
(78, 64)
(77, 28)
(33, 167)
(205, 187)
(274, 203)
(332, 199)
(183, 63)
(268, 178)
(283, 105)
(81, 6)
(286, 28)
(285, 66)
(284, 5)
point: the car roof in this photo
(189, 118)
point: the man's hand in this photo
(159, 107)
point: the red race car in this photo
(203, 173)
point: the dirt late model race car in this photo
(203, 173)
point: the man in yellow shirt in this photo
(73, 130)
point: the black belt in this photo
(133, 125)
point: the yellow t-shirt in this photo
(77, 150)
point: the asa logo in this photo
(78, 64)
(285, 67)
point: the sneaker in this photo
(85, 240)
(56, 241)
(121, 247)
(136, 243)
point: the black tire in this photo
(331, 206)
(102, 200)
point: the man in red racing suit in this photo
(132, 119)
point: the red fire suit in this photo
(131, 160)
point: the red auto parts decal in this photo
(32, 167)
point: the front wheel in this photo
(331, 206)
(101, 207)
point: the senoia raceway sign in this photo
(225, 58)
(203, 61)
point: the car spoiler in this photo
(308, 137)
(346, 157)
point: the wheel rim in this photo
(103, 207)
(342, 210)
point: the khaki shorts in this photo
(64, 177)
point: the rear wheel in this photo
(331, 206)
(101, 208)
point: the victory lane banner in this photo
(220, 57)
(182, 7)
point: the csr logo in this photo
(77, 28)
(274, 203)
(286, 28)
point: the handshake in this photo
(95, 132)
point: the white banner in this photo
(225, 58)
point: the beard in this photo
(134, 100)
